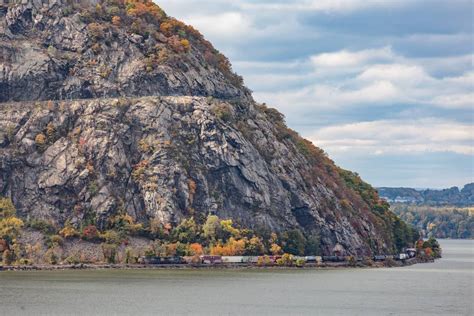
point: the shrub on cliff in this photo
(8, 257)
(10, 225)
(110, 252)
(125, 225)
(41, 225)
(96, 31)
(90, 233)
(69, 232)
(52, 256)
(111, 237)
(40, 141)
(54, 241)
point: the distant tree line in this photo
(439, 222)
(447, 197)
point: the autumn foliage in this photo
(144, 9)
(232, 248)
(68, 232)
(195, 249)
(90, 233)
(145, 18)
(10, 225)
(116, 20)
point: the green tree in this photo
(400, 232)
(294, 242)
(186, 232)
(7, 209)
(254, 247)
(10, 225)
(227, 230)
(211, 227)
(313, 245)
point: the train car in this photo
(192, 259)
(249, 259)
(380, 257)
(211, 259)
(401, 256)
(232, 259)
(333, 259)
(162, 260)
(313, 259)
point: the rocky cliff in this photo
(54, 49)
(111, 107)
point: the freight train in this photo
(254, 260)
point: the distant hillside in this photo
(452, 196)
(436, 221)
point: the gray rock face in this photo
(154, 124)
(168, 158)
(48, 53)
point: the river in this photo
(441, 288)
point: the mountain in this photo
(114, 114)
(452, 196)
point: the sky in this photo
(385, 87)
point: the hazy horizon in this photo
(390, 100)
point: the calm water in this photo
(441, 288)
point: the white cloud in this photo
(331, 97)
(455, 101)
(347, 58)
(371, 78)
(228, 23)
(402, 74)
(397, 136)
(222, 25)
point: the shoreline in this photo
(322, 266)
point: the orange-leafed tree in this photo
(195, 249)
(232, 248)
(144, 9)
(90, 233)
(116, 20)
